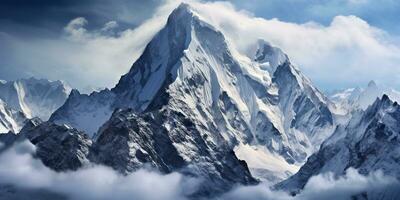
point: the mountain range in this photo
(192, 104)
(189, 73)
(360, 98)
(368, 142)
(29, 98)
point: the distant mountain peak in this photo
(372, 84)
(34, 97)
(361, 98)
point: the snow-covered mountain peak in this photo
(34, 97)
(268, 56)
(372, 84)
(74, 92)
(383, 101)
(360, 98)
(381, 105)
(184, 38)
(10, 120)
(369, 141)
(183, 11)
(189, 81)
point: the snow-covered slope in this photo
(189, 70)
(360, 98)
(85, 112)
(10, 120)
(369, 142)
(34, 97)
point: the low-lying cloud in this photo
(20, 169)
(325, 186)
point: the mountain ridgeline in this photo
(369, 142)
(188, 101)
(185, 105)
(190, 104)
(29, 98)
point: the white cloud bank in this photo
(325, 186)
(348, 52)
(19, 168)
(83, 57)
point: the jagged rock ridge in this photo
(189, 68)
(34, 97)
(368, 142)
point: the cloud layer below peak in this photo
(20, 169)
(28, 176)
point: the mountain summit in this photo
(189, 104)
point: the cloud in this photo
(76, 29)
(258, 192)
(382, 13)
(325, 186)
(346, 52)
(19, 168)
(109, 27)
(82, 57)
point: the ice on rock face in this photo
(189, 73)
(34, 97)
(368, 142)
(85, 112)
(10, 120)
(360, 98)
(269, 57)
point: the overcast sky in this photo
(91, 43)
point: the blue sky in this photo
(37, 39)
(384, 14)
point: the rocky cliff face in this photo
(369, 142)
(189, 69)
(169, 141)
(59, 147)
